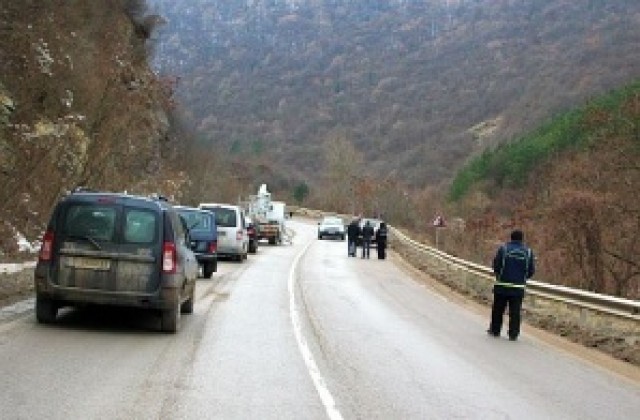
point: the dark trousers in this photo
(382, 250)
(352, 247)
(366, 248)
(500, 303)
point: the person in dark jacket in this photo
(367, 235)
(513, 265)
(381, 241)
(353, 231)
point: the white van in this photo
(233, 240)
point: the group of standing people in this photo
(513, 265)
(366, 235)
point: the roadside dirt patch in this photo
(16, 286)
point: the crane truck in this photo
(268, 216)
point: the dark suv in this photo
(115, 249)
(201, 225)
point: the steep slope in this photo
(418, 86)
(79, 106)
(572, 186)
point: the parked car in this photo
(252, 232)
(233, 240)
(375, 223)
(115, 249)
(331, 227)
(201, 225)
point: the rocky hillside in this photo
(415, 86)
(79, 105)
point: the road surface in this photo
(301, 331)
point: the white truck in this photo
(267, 215)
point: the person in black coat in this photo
(381, 241)
(367, 235)
(513, 265)
(353, 231)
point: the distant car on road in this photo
(115, 249)
(331, 227)
(201, 225)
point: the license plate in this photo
(222, 233)
(90, 263)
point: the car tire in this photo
(208, 269)
(187, 306)
(272, 241)
(252, 247)
(170, 318)
(320, 237)
(46, 310)
(342, 237)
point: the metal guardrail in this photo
(610, 305)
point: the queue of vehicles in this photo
(103, 248)
(119, 249)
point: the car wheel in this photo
(207, 269)
(46, 310)
(187, 306)
(272, 241)
(342, 237)
(320, 237)
(170, 318)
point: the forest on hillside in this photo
(495, 114)
(416, 86)
(572, 185)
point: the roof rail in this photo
(159, 197)
(80, 189)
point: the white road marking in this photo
(318, 381)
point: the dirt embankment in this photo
(15, 286)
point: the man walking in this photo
(513, 264)
(353, 231)
(367, 235)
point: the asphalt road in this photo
(301, 331)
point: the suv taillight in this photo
(47, 246)
(239, 235)
(169, 258)
(213, 247)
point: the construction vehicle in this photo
(268, 216)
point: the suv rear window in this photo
(90, 221)
(197, 220)
(224, 217)
(140, 226)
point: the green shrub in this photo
(511, 164)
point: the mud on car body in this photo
(115, 249)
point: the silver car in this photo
(331, 227)
(233, 239)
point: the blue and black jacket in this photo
(513, 265)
